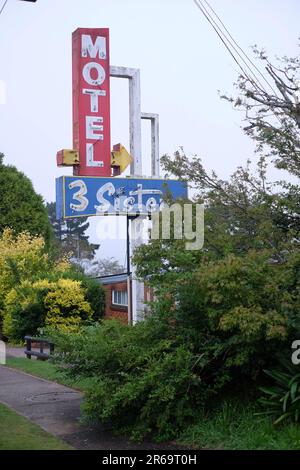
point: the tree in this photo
(21, 208)
(33, 285)
(272, 110)
(57, 224)
(104, 267)
(241, 214)
(76, 228)
(247, 211)
(70, 235)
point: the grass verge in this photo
(17, 433)
(46, 370)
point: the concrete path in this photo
(52, 406)
(18, 351)
(15, 351)
(56, 409)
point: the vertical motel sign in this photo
(92, 190)
(91, 101)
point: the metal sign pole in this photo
(128, 271)
(154, 118)
(135, 131)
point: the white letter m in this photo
(88, 48)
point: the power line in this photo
(243, 52)
(225, 41)
(3, 6)
(223, 37)
(5, 3)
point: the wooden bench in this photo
(40, 355)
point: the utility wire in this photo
(226, 41)
(3, 6)
(243, 52)
(220, 33)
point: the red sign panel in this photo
(91, 101)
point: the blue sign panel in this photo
(87, 196)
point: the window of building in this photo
(119, 297)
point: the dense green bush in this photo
(94, 295)
(211, 331)
(145, 381)
(24, 311)
(239, 311)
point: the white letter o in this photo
(86, 72)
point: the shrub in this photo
(33, 305)
(24, 309)
(66, 306)
(211, 331)
(238, 308)
(144, 381)
(22, 257)
(36, 290)
(94, 295)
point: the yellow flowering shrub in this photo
(21, 256)
(24, 310)
(57, 304)
(63, 264)
(35, 291)
(66, 306)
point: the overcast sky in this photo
(182, 62)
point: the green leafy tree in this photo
(21, 208)
(241, 214)
(239, 295)
(245, 212)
